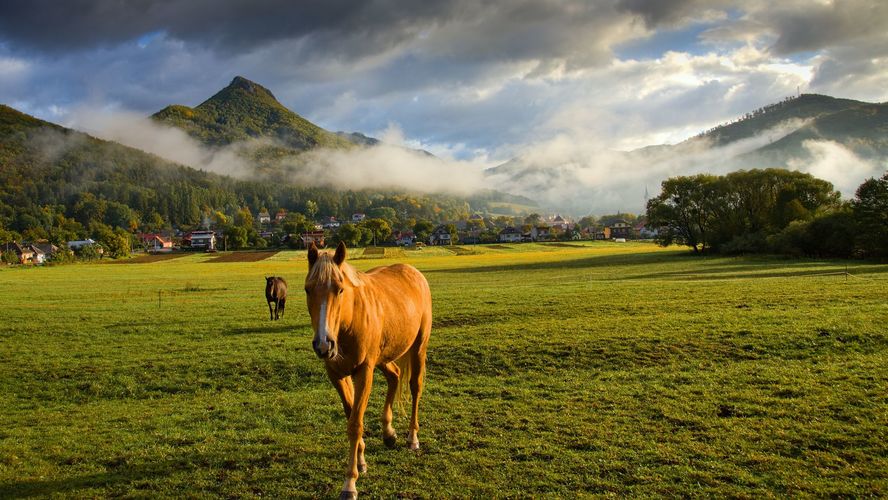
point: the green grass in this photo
(603, 369)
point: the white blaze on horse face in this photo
(322, 324)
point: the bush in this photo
(746, 243)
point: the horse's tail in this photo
(406, 366)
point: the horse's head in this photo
(328, 290)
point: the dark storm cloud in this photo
(576, 31)
(52, 26)
(811, 26)
(655, 13)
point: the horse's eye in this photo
(340, 291)
(307, 290)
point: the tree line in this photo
(771, 211)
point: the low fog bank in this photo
(577, 176)
(571, 173)
(387, 165)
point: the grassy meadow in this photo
(576, 369)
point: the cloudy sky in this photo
(471, 80)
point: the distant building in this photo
(560, 223)
(316, 237)
(264, 217)
(24, 253)
(201, 240)
(330, 223)
(156, 242)
(644, 232)
(440, 236)
(540, 233)
(621, 229)
(280, 216)
(49, 250)
(509, 235)
(358, 217)
(78, 244)
(404, 238)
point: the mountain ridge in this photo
(245, 110)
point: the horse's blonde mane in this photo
(325, 270)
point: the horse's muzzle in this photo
(324, 350)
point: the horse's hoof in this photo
(414, 446)
(390, 441)
(348, 495)
(362, 468)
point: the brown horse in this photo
(276, 293)
(379, 319)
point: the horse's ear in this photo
(312, 255)
(339, 256)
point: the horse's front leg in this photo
(363, 381)
(270, 312)
(346, 391)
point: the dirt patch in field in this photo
(147, 259)
(243, 257)
(499, 247)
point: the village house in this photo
(602, 233)
(330, 223)
(78, 244)
(540, 233)
(205, 240)
(358, 217)
(264, 217)
(509, 235)
(403, 239)
(440, 236)
(49, 250)
(560, 223)
(280, 216)
(309, 237)
(644, 232)
(155, 242)
(38, 256)
(24, 253)
(621, 229)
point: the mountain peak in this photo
(248, 86)
(246, 110)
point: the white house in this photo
(203, 239)
(509, 235)
(78, 244)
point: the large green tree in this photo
(871, 215)
(684, 211)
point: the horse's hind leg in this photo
(417, 371)
(392, 375)
(283, 303)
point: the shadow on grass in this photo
(271, 327)
(72, 485)
(628, 259)
(698, 267)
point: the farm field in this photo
(589, 369)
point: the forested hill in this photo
(246, 110)
(52, 177)
(860, 126)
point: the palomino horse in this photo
(379, 319)
(276, 293)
